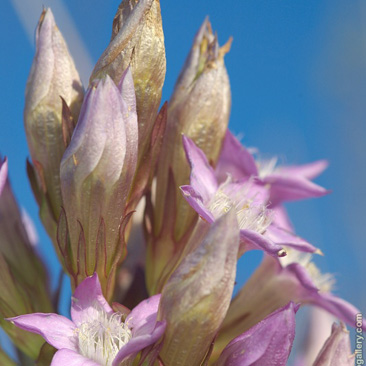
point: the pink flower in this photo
(96, 335)
(210, 200)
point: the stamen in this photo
(251, 215)
(267, 167)
(101, 338)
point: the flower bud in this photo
(96, 173)
(53, 74)
(137, 41)
(23, 286)
(195, 299)
(200, 105)
(199, 108)
(267, 343)
(337, 349)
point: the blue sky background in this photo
(298, 77)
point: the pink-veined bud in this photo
(96, 174)
(337, 349)
(195, 299)
(137, 42)
(53, 75)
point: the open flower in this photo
(211, 199)
(96, 335)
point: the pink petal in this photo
(251, 240)
(67, 357)
(289, 188)
(136, 344)
(235, 160)
(287, 238)
(308, 171)
(88, 295)
(340, 308)
(3, 173)
(267, 343)
(57, 330)
(202, 178)
(144, 314)
(196, 202)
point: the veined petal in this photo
(252, 240)
(203, 178)
(196, 202)
(235, 160)
(281, 218)
(308, 171)
(287, 238)
(57, 330)
(3, 173)
(340, 308)
(88, 295)
(290, 188)
(143, 316)
(267, 343)
(140, 342)
(71, 358)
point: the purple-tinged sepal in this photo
(53, 75)
(96, 175)
(267, 343)
(197, 295)
(337, 349)
(96, 335)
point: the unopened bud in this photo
(138, 42)
(337, 349)
(96, 173)
(195, 299)
(53, 75)
(199, 109)
(200, 105)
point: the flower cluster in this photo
(151, 209)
